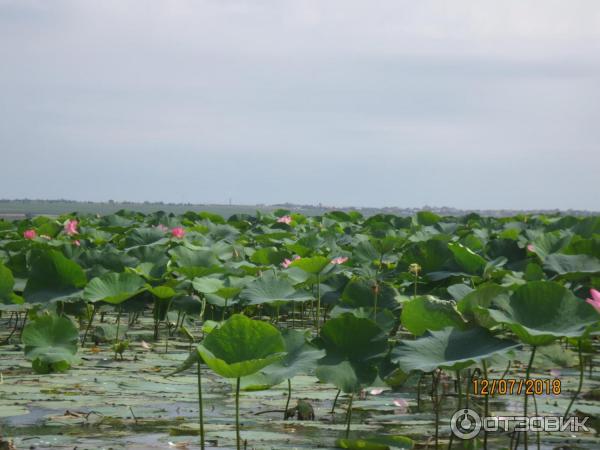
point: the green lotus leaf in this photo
(50, 343)
(272, 289)
(301, 358)
(114, 288)
(354, 338)
(450, 348)
(161, 292)
(572, 264)
(7, 283)
(360, 292)
(348, 376)
(467, 259)
(207, 285)
(52, 276)
(426, 218)
(187, 257)
(548, 243)
(268, 256)
(145, 236)
(313, 265)
(241, 347)
(542, 311)
(483, 296)
(431, 255)
(427, 313)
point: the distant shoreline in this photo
(20, 208)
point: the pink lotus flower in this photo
(401, 404)
(29, 234)
(286, 262)
(178, 232)
(162, 228)
(71, 227)
(531, 248)
(339, 260)
(76, 243)
(595, 300)
(285, 219)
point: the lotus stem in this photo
(537, 432)
(293, 315)
(419, 391)
(168, 328)
(505, 371)
(349, 415)
(416, 281)
(459, 395)
(237, 414)
(375, 300)
(335, 401)
(289, 396)
(526, 396)
(200, 407)
(318, 304)
(435, 399)
(580, 380)
(89, 325)
(118, 325)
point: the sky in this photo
(470, 103)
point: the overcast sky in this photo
(472, 104)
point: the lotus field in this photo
(280, 331)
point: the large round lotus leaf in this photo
(313, 265)
(459, 291)
(483, 296)
(207, 285)
(431, 255)
(267, 256)
(364, 252)
(7, 283)
(52, 276)
(426, 218)
(574, 265)
(301, 358)
(421, 314)
(113, 288)
(467, 259)
(241, 346)
(450, 348)
(162, 292)
(186, 257)
(541, 311)
(548, 243)
(348, 376)
(271, 289)
(144, 236)
(51, 343)
(360, 292)
(353, 338)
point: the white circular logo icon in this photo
(465, 424)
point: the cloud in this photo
(469, 103)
